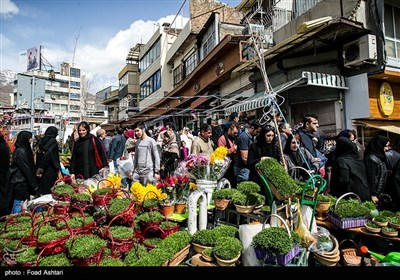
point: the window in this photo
(75, 84)
(150, 56)
(76, 96)
(178, 75)
(190, 64)
(123, 81)
(75, 72)
(208, 41)
(392, 31)
(151, 85)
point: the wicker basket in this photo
(350, 255)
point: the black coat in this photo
(4, 168)
(22, 170)
(348, 171)
(83, 159)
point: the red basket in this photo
(54, 246)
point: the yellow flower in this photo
(113, 180)
(141, 193)
(219, 154)
(192, 186)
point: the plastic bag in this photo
(302, 230)
(246, 234)
(322, 242)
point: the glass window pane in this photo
(389, 48)
(397, 22)
(398, 49)
(389, 30)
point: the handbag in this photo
(99, 163)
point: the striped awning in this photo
(308, 79)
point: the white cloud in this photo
(8, 8)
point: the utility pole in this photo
(33, 102)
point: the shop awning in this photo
(307, 79)
(390, 126)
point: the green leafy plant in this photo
(240, 198)
(227, 248)
(248, 187)
(227, 230)
(112, 262)
(272, 170)
(208, 252)
(83, 246)
(206, 237)
(327, 198)
(165, 224)
(121, 232)
(225, 193)
(154, 241)
(275, 239)
(150, 203)
(52, 235)
(81, 197)
(102, 191)
(389, 229)
(382, 218)
(117, 206)
(372, 225)
(55, 260)
(370, 205)
(395, 220)
(153, 216)
(135, 254)
(260, 199)
(351, 209)
(27, 256)
(63, 189)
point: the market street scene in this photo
(198, 133)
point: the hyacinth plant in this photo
(202, 167)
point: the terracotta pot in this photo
(167, 210)
(221, 204)
(198, 248)
(180, 208)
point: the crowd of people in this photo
(143, 155)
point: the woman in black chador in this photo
(47, 161)
(348, 171)
(4, 167)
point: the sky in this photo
(100, 31)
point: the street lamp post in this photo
(32, 104)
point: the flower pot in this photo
(167, 210)
(381, 224)
(231, 262)
(221, 204)
(198, 248)
(180, 208)
(207, 258)
(244, 209)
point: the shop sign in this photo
(386, 99)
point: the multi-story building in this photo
(53, 97)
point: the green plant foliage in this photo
(227, 248)
(387, 213)
(63, 189)
(175, 242)
(206, 237)
(152, 216)
(81, 197)
(76, 221)
(389, 229)
(135, 254)
(27, 256)
(102, 191)
(225, 193)
(165, 224)
(372, 225)
(55, 260)
(112, 262)
(370, 205)
(154, 241)
(117, 206)
(150, 203)
(208, 252)
(121, 232)
(84, 246)
(395, 220)
(351, 208)
(382, 218)
(52, 235)
(155, 257)
(248, 187)
(276, 174)
(227, 230)
(274, 239)
(240, 198)
(260, 199)
(327, 198)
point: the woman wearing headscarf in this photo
(348, 171)
(47, 161)
(374, 160)
(4, 167)
(83, 159)
(169, 154)
(129, 143)
(297, 156)
(264, 147)
(22, 171)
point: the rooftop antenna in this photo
(76, 43)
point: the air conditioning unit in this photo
(360, 51)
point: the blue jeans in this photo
(17, 206)
(242, 174)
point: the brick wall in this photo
(200, 11)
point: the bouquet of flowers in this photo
(201, 167)
(175, 187)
